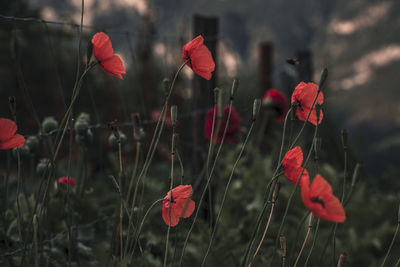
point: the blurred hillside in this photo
(357, 40)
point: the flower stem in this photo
(226, 191)
(313, 243)
(208, 179)
(305, 239)
(393, 239)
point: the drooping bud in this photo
(355, 174)
(322, 79)
(235, 86)
(49, 124)
(276, 192)
(256, 108)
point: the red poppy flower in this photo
(304, 94)
(318, 198)
(104, 53)
(201, 61)
(276, 100)
(291, 163)
(8, 138)
(64, 180)
(181, 204)
(233, 127)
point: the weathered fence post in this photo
(203, 97)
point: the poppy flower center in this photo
(319, 200)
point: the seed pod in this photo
(49, 124)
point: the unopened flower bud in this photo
(174, 114)
(84, 116)
(32, 143)
(355, 174)
(49, 124)
(276, 192)
(322, 79)
(84, 139)
(256, 107)
(113, 140)
(42, 166)
(235, 86)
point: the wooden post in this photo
(305, 67)
(203, 98)
(203, 90)
(266, 66)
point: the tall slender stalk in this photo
(310, 222)
(226, 191)
(393, 239)
(211, 172)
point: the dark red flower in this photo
(233, 127)
(8, 138)
(291, 163)
(64, 180)
(104, 53)
(304, 94)
(201, 61)
(318, 198)
(181, 204)
(276, 100)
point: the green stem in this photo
(226, 191)
(170, 190)
(391, 244)
(305, 240)
(313, 243)
(208, 181)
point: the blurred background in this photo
(357, 41)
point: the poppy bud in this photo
(355, 174)
(322, 79)
(81, 126)
(235, 86)
(113, 140)
(276, 192)
(42, 166)
(84, 116)
(166, 86)
(216, 95)
(32, 143)
(344, 139)
(49, 124)
(84, 139)
(256, 107)
(174, 114)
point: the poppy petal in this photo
(7, 129)
(182, 192)
(191, 46)
(166, 214)
(320, 186)
(334, 210)
(185, 207)
(113, 66)
(15, 141)
(102, 47)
